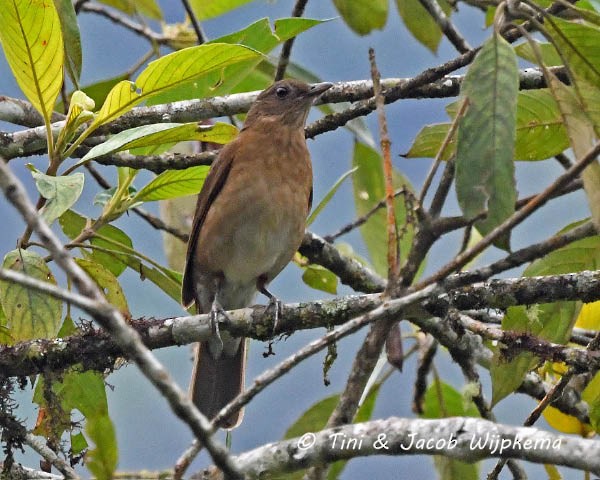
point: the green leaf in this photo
(320, 278)
(578, 45)
(485, 177)
(369, 190)
(78, 443)
(550, 56)
(429, 140)
(30, 314)
(205, 9)
(541, 133)
(107, 282)
(286, 28)
(441, 401)
(61, 193)
(550, 321)
(72, 39)
(72, 224)
(170, 71)
(363, 17)
(161, 133)
(148, 8)
(33, 44)
(328, 196)
(420, 23)
(102, 460)
(174, 183)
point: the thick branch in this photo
(467, 439)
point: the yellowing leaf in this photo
(32, 41)
(589, 316)
(30, 314)
(565, 423)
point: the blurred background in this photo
(150, 436)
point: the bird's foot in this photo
(216, 342)
(274, 303)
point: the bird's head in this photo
(287, 101)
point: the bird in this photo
(249, 221)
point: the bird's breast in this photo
(257, 221)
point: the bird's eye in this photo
(281, 92)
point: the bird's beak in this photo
(318, 88)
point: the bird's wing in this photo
(212, 186)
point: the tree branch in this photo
(467, 439)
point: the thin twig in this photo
(286, 50)
(427, 348)
(200, 35)
(362, 219)
(384, 138)
(446, 26)
(138, 28)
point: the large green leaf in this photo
(369, 189)
(550, 321)
(486, 137)
(33, 44)
(29, 313)
(163, 133)
(205, 9)
(578, 45)
(173, 183)
(363, 16)
(170, 71)
(540, 130)
(420, 23)
(72, 39)
(61, 192)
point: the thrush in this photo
(249, 221)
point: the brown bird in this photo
(249, 222)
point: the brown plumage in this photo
(249, 221)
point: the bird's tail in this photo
(215, 382)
